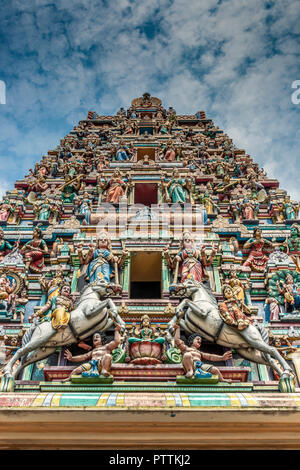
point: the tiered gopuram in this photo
(147, 262)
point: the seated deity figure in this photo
(42, 210)
(70, 188)
(145, 332)
(177, 188)
(140, 351)
(293, 245)
(192, 359)
(51, 287)
(257, 259)
(100, 358)
(34, 252)
(123, 153)
(7, 295)
(5, 246)
(233, 311)
(239, 287)
(100, 261)
(190, 260)
(290, 292)
(291, 210)
(115, 187)
(5, 210)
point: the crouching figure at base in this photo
(100, 358)
(192, 358)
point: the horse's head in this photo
(106, 289)
(185, 289)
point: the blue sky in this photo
(235, 59)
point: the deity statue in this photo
(169, 152)
(34, 252)
(64, 304)
(233, 311)
(145, 344)
(272, 309)
(290, 209)
(5, 246)
(69, 189)
(5, 210)
(290, 292)
(116, 187)
(145, 332)
(276, 212)
(210, 206)
(7, 289)
(192, 358)
(19, 306)
(250, 209)
(190, 261)
(42, 210)
(100, 358)
(123, 153)
(84, 206)
(257, 259)
(51, 287)
(101, 261)
(177, 189)
(293, 245)
(239, 287)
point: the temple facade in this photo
(149, 268)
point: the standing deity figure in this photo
(272, 309)
(250, 209)
(257, 259)
(190, 261)
(19, 306)
(115, 187)
(100, 358)
(293, 245)
(84, 207)
(34, 252)
(290, 292)
(192, 358)
(233, 310)
(101, 262)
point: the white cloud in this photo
(234, 59)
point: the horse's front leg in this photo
(114, 311)
(196, 309)
(92, 311)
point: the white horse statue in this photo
(201, 315)
(94, 311)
